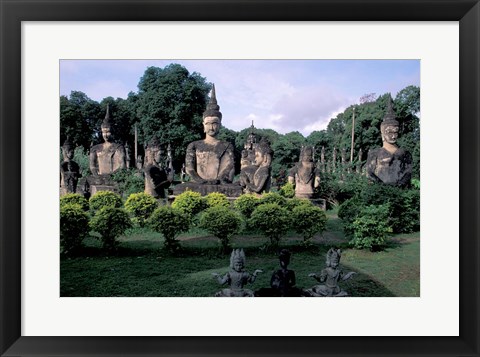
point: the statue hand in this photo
(257, 272)
(215, 274)
(312, 275)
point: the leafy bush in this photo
(189, 202)
(287, 190)
(170, 222)
(336, 189)
(295, 202)
(308, 220)
(348, 212)
(371, 228)
(110, 222)
(103, 199)
(246, 204)
(140, 206)
(222, 222)
(216, 199)
(273, 197)
(74, 198)
(272, 220)
(80, 156)
(129, 181)
(73, 226)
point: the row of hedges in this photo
(270, 214)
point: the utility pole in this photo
(136, 150)
(353, 135)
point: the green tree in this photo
(169, 107)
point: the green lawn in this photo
(141, 267)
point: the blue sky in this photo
(284, 95)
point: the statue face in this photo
(211, 126)
(106, 134)
(68, 154)
(307, 157)
(155, 155)
(259, 157)
(390, 134)
(237, 266)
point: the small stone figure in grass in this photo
(331, 275)
(237, 277)
(283, 280)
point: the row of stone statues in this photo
(209, 163)
(283, 282)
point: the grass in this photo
(141, 267)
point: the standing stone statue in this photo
(157, 177)
(69, 170)
(210, 162)
(330, 276)
(105, 159)
(237, 277)
(256, 178)
(389, 164)
(305, 175)
(248, 152)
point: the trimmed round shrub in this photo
(371, 228)
(295, 202)
(308, 221)
(222, 222)
(74, 198)
(246, 204)
(273, 197)
(287, 190)
(73, 226)
(348, 212)
(170, 222)
(189, 202)
(217, 199)
(140, 206)
(272, 220)
(110, 222)
(105, 199)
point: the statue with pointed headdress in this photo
(210, 161)
(329, 277)
(389, 164)
(237, 277)
(305, 175)
(107, 157)
(69, 170)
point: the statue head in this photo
(390, 126)
(212, 117)
(263, 153)
(139, 162)
(237, 260)
(306, 154)
(284, 258)
(154, 152)
(67, 150)
(333, 257)
(106, 126)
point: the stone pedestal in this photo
(101, 183)
(229, 190)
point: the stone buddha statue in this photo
(256, 178)
(305, 175)
(210, 161)
(389, 164)
(107, 157)
(157, 177)
(69, 170)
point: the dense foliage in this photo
(73, 226)
(140, 206)
(216, 199)
(189, 202)
(222, 222)
(371, 227)
(74, 198)
(308, 220)
(105, 199)
(272, 220)
(246, 204)
(170, 222)
(129, 181)
(110, 222)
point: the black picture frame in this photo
(13, 12)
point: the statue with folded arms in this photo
(69, 170)
(157, 177)
(305, 175)
(256, 178)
